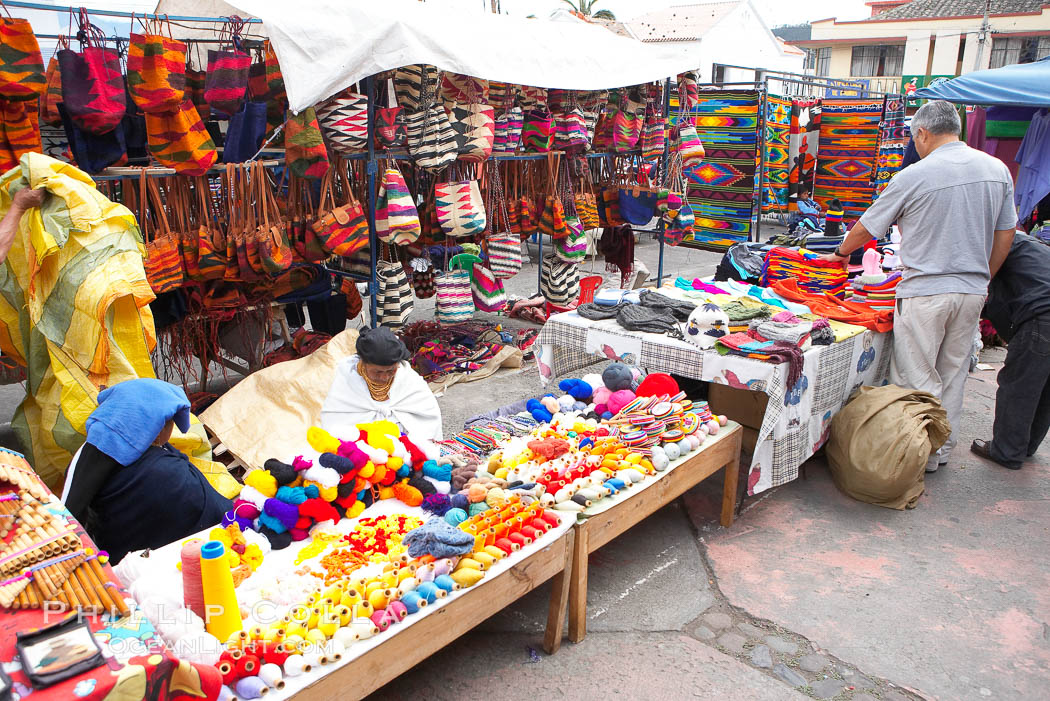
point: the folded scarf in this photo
(775, 352)
(833, 308)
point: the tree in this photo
(585, 8)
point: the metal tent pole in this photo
(663, 173)
(370, 172)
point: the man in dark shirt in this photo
(1018, 306)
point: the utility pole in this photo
(982, 36)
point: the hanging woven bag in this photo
(344, 122)
(397, 220)
(460, 208)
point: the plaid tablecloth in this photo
(797, 419)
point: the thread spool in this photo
(296, 665)
(335, 650)
(315, 659)
(413, 602)
(272, 675)
(192, 587)
(219, 595)
(247, 665)
(226, 694)
(251, 688)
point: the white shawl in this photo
(411, 404)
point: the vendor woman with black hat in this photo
(378, 384)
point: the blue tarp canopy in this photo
(1025, 84)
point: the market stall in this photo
(789, 426)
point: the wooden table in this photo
(595, 531)
(405, 650)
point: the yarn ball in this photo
(594, 380)
(617, 376)
(549, 403)
(478, 508)
(437, 504)
(620, 399)
(459, 501)
(278, 540)
(291, 495)
(282, 472)
(579, 406)
(441, 473)
(601, 395)
(565, 402)
(338, 463)
(659, 458)
(455, 517)
(673, 451)
(607, 415)
(538, 411)
(262, 481)
(476, 493)
(656, 384)
(577, 389)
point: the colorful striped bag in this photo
(211, 243)
(423, 278)
(573, 247)
(688, 144)
(397, 220)
(270, 237)
(474, 125)
(342, 229)
(22, 74)
(430, 138)
(609, 207)
(604, 128)
(627, 125)
(416, 86)
(163, 263)
(276, 96)
(180, 140)
(156, 72)
(504, 252)
(393, 295)
(537, 134)
(654, 138)
(195, 91)
(688, 91)
(21, 129)
(455, 302)
(487, 290)
(344, 122)
(226, 81)
(570, 130)
(552, 219)
(304, 149)
(390, 121)
(460, 208)
(508, 130)
(51, 98)
(93, 88)
(559, 280)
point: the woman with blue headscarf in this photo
(129, 488)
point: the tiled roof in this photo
(918, 9)
(681, 22)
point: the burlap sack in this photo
(880, 442)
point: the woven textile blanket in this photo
(849, 141)
(775, 177)
(893, 139)
(802, 147)
(721, 190)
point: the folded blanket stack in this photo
(878, 292)
(810, 272)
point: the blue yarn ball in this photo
(544, 416)
(441, 473)
(456, 516)
(607, 415)
(460, 501)
(312, 491)
(292, 495)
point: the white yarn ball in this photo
(672, 450)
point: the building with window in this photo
(909, 43)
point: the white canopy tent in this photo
(326, 45)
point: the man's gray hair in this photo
(937, 117)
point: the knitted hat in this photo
(706, 324)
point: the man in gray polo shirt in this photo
(956, 215)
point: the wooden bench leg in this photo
(578, 587)
(729, 487)
(559, 599)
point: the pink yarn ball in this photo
(712, 427)
(601, 395)
(722, 419)
(550, 404)
(619, 399)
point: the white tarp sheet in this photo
(326, 45)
